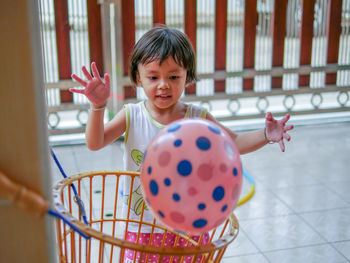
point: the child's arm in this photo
(274, 131)
(97, 91)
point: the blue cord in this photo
(76, 196)
(248, 177)
(64, 219)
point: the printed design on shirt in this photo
(137, 157)
(136, 196)
(137, 201)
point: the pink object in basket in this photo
(192, 176)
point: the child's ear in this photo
(138, 81)
(188, 84)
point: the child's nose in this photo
(163, 84)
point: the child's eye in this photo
(174, 77)
(152, 78)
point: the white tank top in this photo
(141, 128)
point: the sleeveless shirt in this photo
(141, 128)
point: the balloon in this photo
(192, 175)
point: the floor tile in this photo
(333, 225)
(262, 204)
(280, 233)
(310, 198)
(245, 259)
(241, 246)
(343, 248)
(326, 170)
(108, 158)
(313, 254)
(286, 176)
(341, 188)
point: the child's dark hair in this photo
(158, 44)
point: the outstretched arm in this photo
(97, 90)
(274, 131)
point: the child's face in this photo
(163, 84)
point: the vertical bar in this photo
(117, 57)
(158, 12)
(72, 234)
(102, 244)
(333, 35)
(191, 31)
(63, 46)
(95, 35)
(64, 226)
(128, 22)
(306, 38)
(60, 238)
(279, 33)
(220, 41)
(250, 21)
(115, 212)
(90, 219)
(191, 21)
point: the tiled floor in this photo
(301, 208)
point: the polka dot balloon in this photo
(192, 176)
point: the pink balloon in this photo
(192, 176)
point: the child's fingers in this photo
(80, 91)
(286, 136)
(285, 118)
(95, 72)
(269, 117)
(86, 73)
(281, 143)
(288, 127)
(107, 79)
(82, 82)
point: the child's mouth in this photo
(163, 96)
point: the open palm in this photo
(276, 130)
(96, 89)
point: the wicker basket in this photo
(100, 193)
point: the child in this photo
(163, 64)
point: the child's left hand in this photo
(276, 130)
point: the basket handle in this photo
(30, 201)
(22, 197)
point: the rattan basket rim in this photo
(88, 230)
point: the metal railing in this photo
(236, 102)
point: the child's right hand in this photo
(96, 89)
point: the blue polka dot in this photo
(177, 143)
(223, 209)
(218, 193)
(235, 171)
(214, 129)
(199, 223)
(149, 170)
(167, 181)
(174, 127)
(184, 168)
(201, 206)
(176, 197)
(153, 186)
(203, 143)
(161, 214)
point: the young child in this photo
(163, 64)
